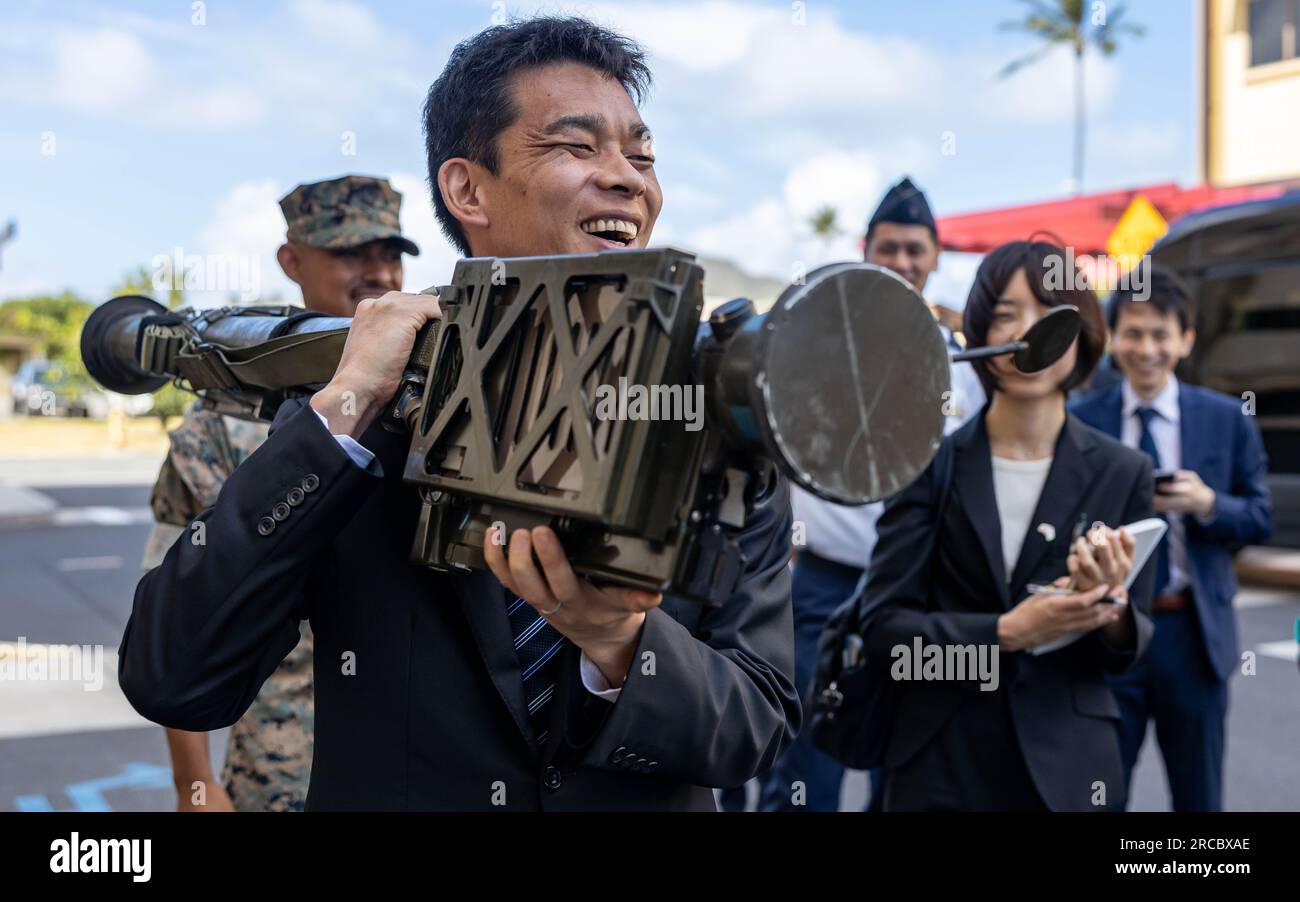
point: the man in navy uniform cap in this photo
(901, 236)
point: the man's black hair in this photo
(1167, 295)
(470, 104)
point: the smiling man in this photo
(1216, 500)
(527, 687)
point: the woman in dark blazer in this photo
(949, 579)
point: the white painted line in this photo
(107, 562)
(107, 469)
(46, 707)
(102, 516)
(1287, 649)
(1262, 598)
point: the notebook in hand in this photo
(1146, 536)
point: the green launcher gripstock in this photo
(584, 393)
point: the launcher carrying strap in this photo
(169, 343)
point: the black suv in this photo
(1242, 267)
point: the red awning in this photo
(1086, 222)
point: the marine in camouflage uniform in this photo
(268, 759)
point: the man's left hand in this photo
(605, 622)
(1185, 494)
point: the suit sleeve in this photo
(1243, 515)
(718, 709)
(1118, 659)
(895, 598)
(216, 617)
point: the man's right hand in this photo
(1043, 617)
(376, 353)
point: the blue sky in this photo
(126, 130)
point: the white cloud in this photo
(836, 112)
(848, 181)
(113, 73)
(1038, 94)
(247, 223)
(438, 257)
(1139, 144)
(823, 69)
(344, 66)
(772, 236)
(100, 71)
(247, 219)
(246, 227)
(950, 284)
(761, 120)
(338, 24)
(699, 37)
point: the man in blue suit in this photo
(1215, 501)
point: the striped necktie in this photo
(1147, 443)
(538, 645)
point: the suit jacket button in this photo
(280, 512)
(551, 778)
(310, 483)
(619, 754)
(651, 766)
(266, 526)
(640, 764)
(295, 496)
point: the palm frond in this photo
(1038, 26)
(1016, 65)
(1072, 12)
(1047, 11)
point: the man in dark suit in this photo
(527, 687)
(1216, 501)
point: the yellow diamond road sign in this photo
(1138, 229)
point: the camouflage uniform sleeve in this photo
(173, 500)
(204, 450)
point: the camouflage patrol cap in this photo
(345, 212)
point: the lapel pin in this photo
(1047, 531)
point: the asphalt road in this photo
(62, 747)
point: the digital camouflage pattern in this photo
(345, 212)
(268, 758)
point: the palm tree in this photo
(824, 225)
(1079, 25)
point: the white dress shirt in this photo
(592, 679)
(1166, 431)
(1017, 485)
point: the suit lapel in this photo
(481, 598)
(479, 593)
(1111, 407)
(973, 482)
(1068, 482)
(1191, 430)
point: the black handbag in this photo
(852, 701)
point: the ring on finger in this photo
(558, 605)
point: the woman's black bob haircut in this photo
(1054, 280)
